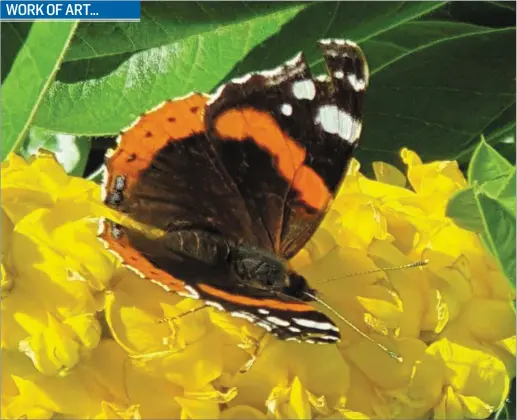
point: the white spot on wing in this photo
(214, 305)
(263, 311)
(100, 227)
(294, 329)
(325, 326)
(295, 61)
(329, 337)
(156, 108)
(304, 89)
(244, 315)
(193, 293)
(339, 74)
(120, 182)
(243, 79)
(265, 325)
(337, 42)
(278, 321)
(140, 274)
(357, 84)
(337, 121)
(289, 69)
(286, 109)
(163, 286)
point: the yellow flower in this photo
(83, 337)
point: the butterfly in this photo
(237, 182)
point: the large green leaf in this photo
(105, 103)
(29, 77)
(163, 23)
(438, 98)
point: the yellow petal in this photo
(388, 174)
(299, 401)
(242, 412)
(490, 320)
(110, 411)
(290, 402)
(322, 368)
(410, 285)
(382, 369)
(193, 409)
(474, 372)
(475, 408)
(427, 379)
(437, 313)
(87, 328)
(154, 395)
(449, 407)
(53, 350)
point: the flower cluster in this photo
(83, 337)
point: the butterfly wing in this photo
(287, 138)
(166, 174)
(218, 286)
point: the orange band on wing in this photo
(262, 303)
(174, 120)
(247, 123)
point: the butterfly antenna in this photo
(357, 330)
(420, 263)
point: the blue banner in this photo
(106, 10)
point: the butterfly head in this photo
(260, 269)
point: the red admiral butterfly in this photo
(237, 183)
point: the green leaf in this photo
(438, 98)
(358, 21)
(488, 205)
(487, 165)
(493, 174)
(386, 48)
(506, 195)
(30, 75)
(499, 233)
(163, 23)
(486, 13)
(13, 35)
(105, 103)
(504, 141)
(463, 209)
